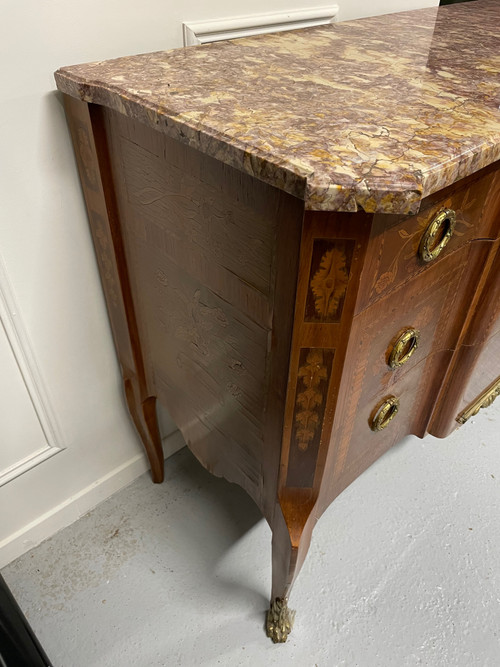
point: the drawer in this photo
(476, 362)
(398, 244)
(478, 368)
(486, 319)
(420, 318)
(429, 309)
(414, 394)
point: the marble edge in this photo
(371, 196)
(228, 150)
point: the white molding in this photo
(29, 462)
(80, 503)
(21, 349)
(201, 32)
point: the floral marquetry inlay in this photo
(310, 399)
(328, 279)
(313, 378)
(329, 283)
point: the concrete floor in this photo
(404, 569)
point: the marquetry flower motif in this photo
(310, 399)
(330, 282)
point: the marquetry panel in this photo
(332, 249)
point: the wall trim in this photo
(20, 345)
(80, 503)
(201, 32)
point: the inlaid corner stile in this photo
(330, 263)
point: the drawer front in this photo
(423, 308)
(476, 362)
(483, 400)
(485, 374)
(412, 394)
(478, 370)
(486, 319)
(429, 305)
(424, 305)
(402, 247)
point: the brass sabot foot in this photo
(279, 622)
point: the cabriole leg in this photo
(291, 540)
(144, 416)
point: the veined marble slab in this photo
(372, 114)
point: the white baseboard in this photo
(77, 505)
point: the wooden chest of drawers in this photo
(294, 328)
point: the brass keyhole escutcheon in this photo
(403, 348)
(384, 413)
(437, 235)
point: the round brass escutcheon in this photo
(385, 413)
(403, 348)
(437, 235)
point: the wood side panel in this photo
(159, 188)
(212, 253)
(285, 276)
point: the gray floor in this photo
(404, 569)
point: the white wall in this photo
(353, 9)
(47, 252)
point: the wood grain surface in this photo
(204, 245)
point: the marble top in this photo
(372, 114)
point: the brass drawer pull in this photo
(385, 413)
(437, 235)
(403, 348)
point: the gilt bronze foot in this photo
(279, 622)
